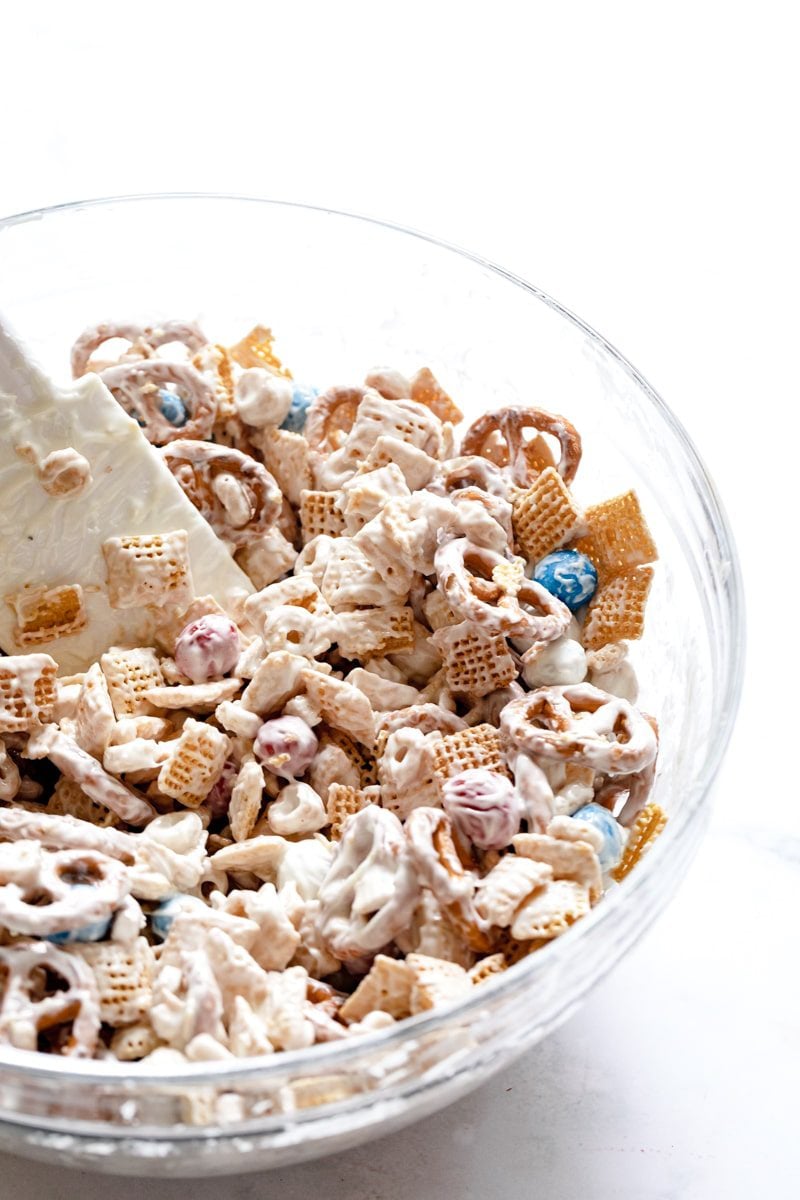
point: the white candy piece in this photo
(560, 662)
(305, 864)
(262, 398)
(298, 809)
(619, 681)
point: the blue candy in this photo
(87, 933)
(161, 918)
(568, 575)
(303, 397)
(172, 408)
(611, 830)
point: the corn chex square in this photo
(44, 614)
(475, 662)
(426, 389)
(374, 632)
(646, 828)
(435, 981)
(616, 612)
(124, 975)
(130, 674)
(320, 514)
(255, 350)
(618, 537)
(550, 911)
(387, 988)
(545, 517)
(468, 749)
(287, 458)
(27, 691)
(344, 801)
(195, 763)
(149, 569)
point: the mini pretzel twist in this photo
(635, 787)
(477, 591)
(32, 1003)
(498, 436)
(136, 386)
(581, 725)
(236, 495)
(43, 892)
(474, 471)
(371, 889)
(331, 417)
(144, 341)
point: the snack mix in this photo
(409, 758)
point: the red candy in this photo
(207, 648)
(286, 746)
(483, 806)
(219, 798)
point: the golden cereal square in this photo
(149, 569)
(27, 691)
(426, 389)
(469, 749)
(646, 828)
(256, 350)
(617, 610)
(319, 514)
(44, 614)
(129, 675)
(195, 763)
(476, 663)
(618, 537)
(545, 516)
(375, 632)
(343, 802)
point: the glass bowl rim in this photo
(339, 1054)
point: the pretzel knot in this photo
(34, 998)
(371, 890)
(474, 471)
(44, 892)
(236, 495)
(439, 868)
(331, 417)
(499, 436)
(582, 725)
(144, 341)
(478, 591)
(137, 387)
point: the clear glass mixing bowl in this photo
(343, 294)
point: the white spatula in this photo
(48, 540)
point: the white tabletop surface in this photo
(637, 163)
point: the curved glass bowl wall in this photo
(342, 295)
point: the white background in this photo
(639, 163)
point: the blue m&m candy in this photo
(87, 933)
(569, 575)
(172, 408)
(161, 918)
(610, 830)
(303, 397)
